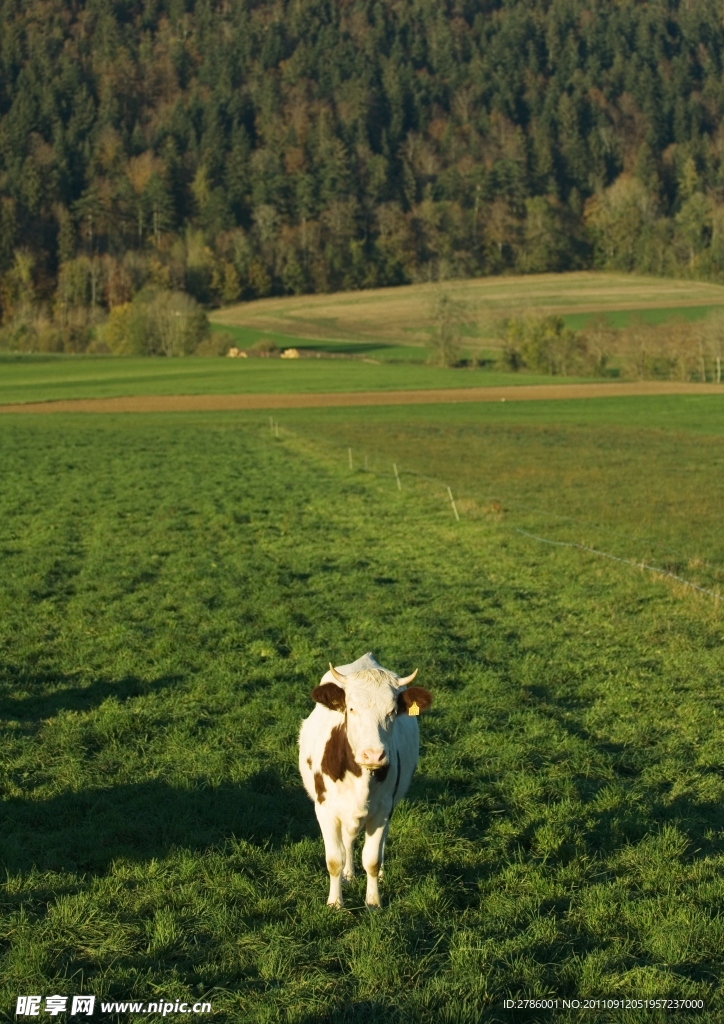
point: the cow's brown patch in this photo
(380, 774)
(338, 757)
(319, 787)
(373, 870)
(329, 694)
(309, 761)
(415, 694)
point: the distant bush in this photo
(216, 343)
(35, 330)
(177, 323)
(545, 345)
(164, 323)
(542, 344)
(675, 350)
(124, 333)
(265, 347)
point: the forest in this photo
(175, 155)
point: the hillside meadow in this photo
(171, 589)
(626, 325)
(404, 314)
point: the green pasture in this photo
(49, 378)
(619, 318)
(489, 329)
(171, 589)
(614, 473)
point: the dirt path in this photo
(214, 403)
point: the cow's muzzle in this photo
(373, 759)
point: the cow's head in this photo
(371, 701)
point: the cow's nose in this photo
(376, 757)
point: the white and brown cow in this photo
(357, 754)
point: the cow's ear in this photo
(331, 695)
(413, 700)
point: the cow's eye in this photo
(352, 711)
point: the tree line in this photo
(230, 151)
(674, 350)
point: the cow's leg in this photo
(334, 852)
(348, 835)
(372, 860)
(383, 844)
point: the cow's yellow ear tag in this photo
(413, 709)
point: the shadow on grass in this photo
(86, 831)
(342, 347)
(65, 696)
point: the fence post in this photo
(452, 502)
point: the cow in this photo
(357, 754)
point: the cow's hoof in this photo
(348, 877)
(374, 906)
(335, 904)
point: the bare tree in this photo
(449, 318)
(177, 321)
(714, 329)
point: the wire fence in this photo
(616, 558)
(371, 467)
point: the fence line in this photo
(546, 540)
(571, 519)
(615, 558)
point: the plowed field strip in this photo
(216, 403)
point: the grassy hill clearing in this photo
(402, 315)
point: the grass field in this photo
(172, 587)
(403, 315)
(574, 472)
(49, 378)
(626, 317)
